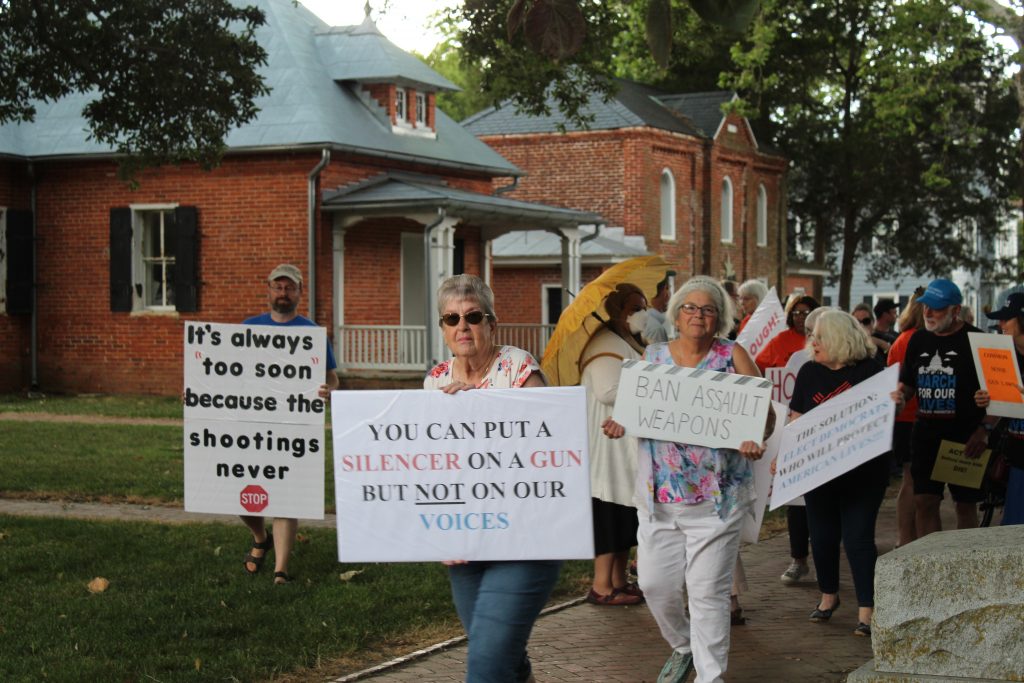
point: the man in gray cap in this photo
(939, 370)
(284, 292)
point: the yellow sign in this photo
(953, 467)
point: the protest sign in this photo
(501, 474)
(953, 467)
(995, 360)
(751, 529)
(836, 436)
(254, 424)
(767, 322)
(784, 379)
(685, 405)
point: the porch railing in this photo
(404, 347)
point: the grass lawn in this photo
(180, 608)
(109, 406)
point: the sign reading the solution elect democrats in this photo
(497, 474)
(685, 405)
(254, 425)
(836, 436)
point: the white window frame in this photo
(4, 251)
(667, 205)
(401, 105)
(762, 216)
(544, 308)
(421, 109)
(726, 210)
(139, 274)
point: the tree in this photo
(898, 117)
(899, 120)
(169, 78)
(447, 59)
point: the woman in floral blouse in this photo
(497, 602)
(691, 499)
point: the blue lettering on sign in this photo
(469, 521)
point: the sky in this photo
(404, 22)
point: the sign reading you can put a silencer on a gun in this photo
(254, 424)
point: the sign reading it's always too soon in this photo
(254, 424)
(500, 474)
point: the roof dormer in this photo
(399, 87)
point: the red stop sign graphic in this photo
(253, 498)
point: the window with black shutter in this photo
(20, 254)
(154, 258)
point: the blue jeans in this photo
(497, 603)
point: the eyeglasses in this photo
(473, 318)
(705, 311)
(280, 289)
(866, 322)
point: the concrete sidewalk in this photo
(583, 642)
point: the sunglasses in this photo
(473, 318)
(864, 321)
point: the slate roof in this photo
(395, 193)
(538, 245)
(634, 104)
(307, 107)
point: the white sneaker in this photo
(794, 573)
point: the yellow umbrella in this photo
(578, 322)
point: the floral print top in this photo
(510, 370)
(688, 474)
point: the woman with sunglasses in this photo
(692, 499)
(497, 602)
(612, 463)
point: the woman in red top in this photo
(910, 320)
(776, 354)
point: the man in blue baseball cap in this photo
(939, 370)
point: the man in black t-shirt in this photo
(939, 369)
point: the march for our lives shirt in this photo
(941, 369)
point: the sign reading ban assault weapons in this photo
(685, 405)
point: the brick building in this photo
(349, 171)
(670, 170)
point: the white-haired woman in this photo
(691, 499)
(842, 510)
(497, 602)
(752, 293)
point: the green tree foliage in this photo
(899, 119)
(449, 61)
(168, 78)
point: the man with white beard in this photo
(939, 369)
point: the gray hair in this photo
(466, 287)
(843, 339)
(754, 288)
(711, 287)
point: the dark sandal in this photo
(281, 578)
(736, 617)
(820, 615)
(265, 546)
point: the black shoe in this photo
(862, 629)
(819, 615)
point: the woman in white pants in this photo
(691, 499)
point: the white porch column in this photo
(572, 268)
(442, 262)
(340, 226)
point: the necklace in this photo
(485, 369)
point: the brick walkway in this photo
(582, 642)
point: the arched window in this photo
(726, 210)
(762, 216)
(668, 205)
